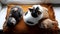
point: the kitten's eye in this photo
(39, 12)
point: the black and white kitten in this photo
(33, 15)
(15, 15)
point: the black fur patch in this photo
(26, 13)
(30, 22)
(34, 15)
(10, 25)
(34, 12)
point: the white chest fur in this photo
(28, 17)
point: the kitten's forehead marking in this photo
(15, 9)
(40, 7)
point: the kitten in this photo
(15, 16)
(34, 14)
(48, 23)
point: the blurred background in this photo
(30, 1)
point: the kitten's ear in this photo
(30, 9)
(37, 8)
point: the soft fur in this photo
(48, 23)
(11, 22)
(15, 15)
(30, 20)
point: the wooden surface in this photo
(21, 27)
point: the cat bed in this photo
(21, 27)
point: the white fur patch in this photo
(13, 20)
(28, 17)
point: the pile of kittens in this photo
(31, 17)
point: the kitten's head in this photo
(35, 11)
(17, 9)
